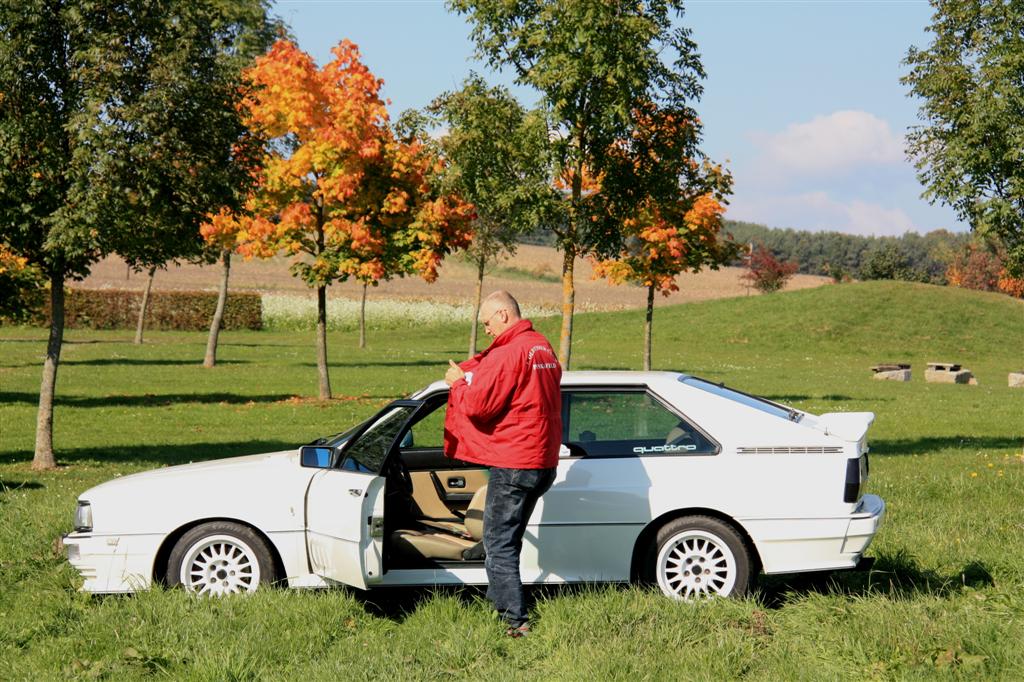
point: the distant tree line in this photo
(912, 257)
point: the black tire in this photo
(221, 557)
(724, 562)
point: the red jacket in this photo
(510, 412)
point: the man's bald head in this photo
(498, 312)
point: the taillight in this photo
(856, 476)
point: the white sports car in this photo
(663, 477)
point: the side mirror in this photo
(316, 456)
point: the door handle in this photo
(456, 481)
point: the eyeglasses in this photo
(487, 322)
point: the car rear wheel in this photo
(219, 558)
(700, 557)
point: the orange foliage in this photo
(589, 183)
(1014, 286)
(979, 267)
(335, 183)
(658, 249)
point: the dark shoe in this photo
(518, 631)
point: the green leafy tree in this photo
(496, 157)
(888, 260)
(969, 151)
(116, 129)
(614, 76)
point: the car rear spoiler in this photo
(848, 426)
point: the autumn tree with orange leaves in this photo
(662, 244)
(338, 190)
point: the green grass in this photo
(945, 599)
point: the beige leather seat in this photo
(444, 540)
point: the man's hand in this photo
(453, 374)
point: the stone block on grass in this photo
(892, 371)
(1016, 379)
(948, 373)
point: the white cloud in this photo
(817, 211)
(837, 142)
(865, 218)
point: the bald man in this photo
(505, 412)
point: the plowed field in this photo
(532, 275)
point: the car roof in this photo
(590, 377)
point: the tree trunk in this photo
(648, 324)
(568, 305)
(144, 306)
(476, 308)
(218, 314)
(362, 319)
(43, 457)
(321, 343)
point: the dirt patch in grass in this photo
(532, 275)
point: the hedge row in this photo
(168, 310)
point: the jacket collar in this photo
(506, 336)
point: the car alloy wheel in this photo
(220, 565)
(696, 564)
(699, 557)
(220, 558)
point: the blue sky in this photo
(802, 100)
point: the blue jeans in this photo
(511, 496)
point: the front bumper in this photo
(817, 544)
(112, 563)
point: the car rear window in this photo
(760, 404)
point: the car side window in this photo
(428, 432)
(628, 424)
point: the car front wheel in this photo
(700, 557)
(219, 558)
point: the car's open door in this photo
(345, 502)
(345, 526)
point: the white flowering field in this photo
(298, 313)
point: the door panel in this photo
(471, 480)
(437, 494)
(345, 526)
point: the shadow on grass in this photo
(140, 361)
(922, 446)
(796, 397)
(156, 454)
(149, 399)
(360, 363)
(398, 603)
(897, 575)
(8, 486)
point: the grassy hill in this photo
(878, 321)
(946, 597)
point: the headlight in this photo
(83, 516)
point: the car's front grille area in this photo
(791, 450)
(87, 572)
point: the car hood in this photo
(233, 467)
(265, 490)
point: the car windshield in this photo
(368, 451)
(338, 439)
(753, 401)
